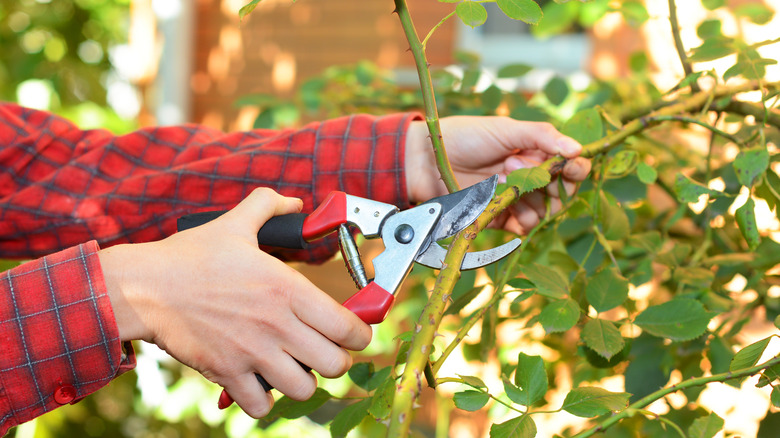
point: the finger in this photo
(539, 135)
(318, 352)
(555, 205)
(536, 201)
(553, 190)
(288, 376)
(525, 216)
(322, 313)
(247, 392)
(262, 204)
(577, 169)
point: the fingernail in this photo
(569, 147)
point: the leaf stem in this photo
(678, 44)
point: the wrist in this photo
(129, 304)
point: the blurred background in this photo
(125, 64)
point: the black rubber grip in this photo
(285, 231)
(267, 386)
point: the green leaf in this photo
(519, 427)
(491, 99)
(473, 381)
(470, 400)
(712, 49)
(547, 280)
(603, 337)
(646, 173)
(755, 12)
(288, 408)
(623, 163)
(513, 70)
(531, 378)
(606, 290)
(680, 319)
(749, 356)
(360, 372)
(247, 8)
(777, 321)
(774, 397)
(348, 418)
(528, 179)
(713, 4)
(694, 276)
(634, 13)
(524, 10)
(585, 126)
(750, 164)
(382, 401)
(705, 427)
(593, 401)
(746, 220)
(614, 221)
(688, 190)
(560, 315)
(471, 13)
(556, 90)
(709, 28)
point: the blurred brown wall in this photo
(282, 43)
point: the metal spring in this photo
(351, 255)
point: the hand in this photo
(217, 303)
(480, 146)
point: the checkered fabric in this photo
(60, 341)
(61, 186)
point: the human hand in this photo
(481, 146)
(217, 303)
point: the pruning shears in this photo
(408, 236)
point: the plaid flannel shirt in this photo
(61, 187)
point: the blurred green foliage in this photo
(63, 47)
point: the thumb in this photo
(261, 205)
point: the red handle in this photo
(326, 217)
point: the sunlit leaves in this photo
(528, 179)
(471, 13)
(750, 164)
(593, 401)
(634, 12)
(513, 70)
(288, 408)
(471, 400)
(602, 337)
(706, 427)
(749, 356)
(688, 190)
(746, 220)
(679, 319)
(712, 49)
(606, 290)
(646, 173)
(548, 281)
(585, 126)
(524, 10)
(519, 427)
(755, 12)
(348, 418)
(531, 380)
(560, 315)
(248, 8)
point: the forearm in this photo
(65, 186)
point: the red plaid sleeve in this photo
(60, 340)
(61, 186)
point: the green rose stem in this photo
(429, 101)
(690, 383)
(426, 328)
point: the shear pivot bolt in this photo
(404, 233)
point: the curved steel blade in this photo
(461, 209)
(433, 256)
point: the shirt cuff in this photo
(59, 335)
